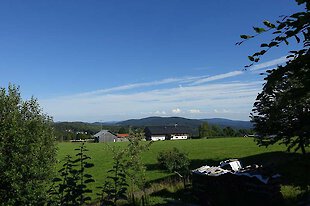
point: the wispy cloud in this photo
(218, 77)
(268, 64)
(194, 111)
(199, 93)
(145, 84)
(236, 96)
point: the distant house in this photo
(122, 137)
(166, 132)
(105, 136)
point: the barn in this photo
(105, 136)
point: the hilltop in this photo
(162, 121)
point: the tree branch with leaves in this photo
(281, 111)
(287, 27)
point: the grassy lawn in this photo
(292, 167)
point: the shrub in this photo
(173, 160)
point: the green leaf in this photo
(62, 169)
(290, 56)
(277, 32)
(298, 15)
(262, 52)
(273, 43)
(286, 42)
(246, 36)
(87, 198)
(88, 165)
(268, 24)
(256, 54)
(259, 30)
(264, 45)
(88, 181)
(297, 38)
(290, 33)
(56, 179)
(251, 58)
(88, 176)
(281, 26)
(247, 66)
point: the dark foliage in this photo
(79, 130)
(115, 187)
(282, 110)
(71, 187)
(174, 160)
(27, 150)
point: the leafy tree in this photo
(229, 132)
(123, 130)
(217, 130)
(174, 160)
(135, 167)
(79, 130)
(205, 130)
(27, 150)
(281, 111)
(242, 132)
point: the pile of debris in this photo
(232, 184)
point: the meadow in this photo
(292, 166)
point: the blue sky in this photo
(114, 60)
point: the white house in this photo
(179, 136)
(175, 132)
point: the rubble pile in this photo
(232, 184)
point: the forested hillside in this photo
(216, 127)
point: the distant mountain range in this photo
(194, 123)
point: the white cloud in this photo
(218, 77)
(160, 113)
(194, 111)
(271, 63)
(176, 111)
(144, 84)
(238, 96)
(226, 99)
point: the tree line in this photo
(214, 131)
(65, 131)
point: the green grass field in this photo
(292, 167)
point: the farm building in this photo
(122, 137)
(166, 132)
(105, 136)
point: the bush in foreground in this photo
(173, 160)
(27, 150)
